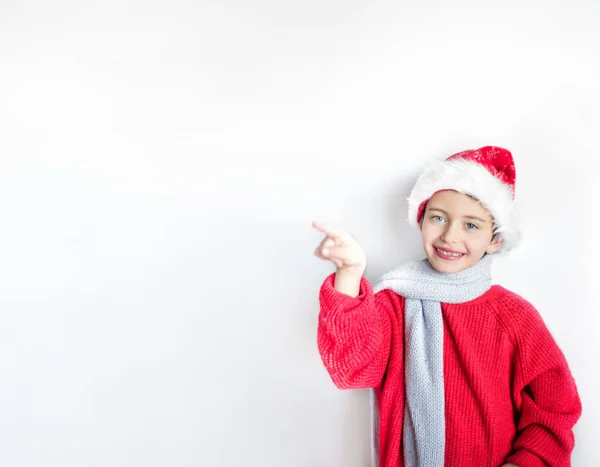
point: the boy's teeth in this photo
(447, 253)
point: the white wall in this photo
(161, 163)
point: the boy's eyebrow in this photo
(464, 217)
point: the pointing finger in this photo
(327, 229)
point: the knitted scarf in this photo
(425, 289)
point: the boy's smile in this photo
(447, 254)
(457, 231)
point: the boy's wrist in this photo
(348, 282)
(348, 273)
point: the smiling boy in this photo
(463, 373)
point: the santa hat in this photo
(487, 174)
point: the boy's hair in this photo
(486, 174)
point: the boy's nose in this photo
(450, 234)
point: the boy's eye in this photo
(437, 218)
(471, 226)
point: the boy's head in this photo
(457, 231)
(464, 206)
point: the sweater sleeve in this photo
(354, 335)
(545, 396)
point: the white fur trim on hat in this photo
(469, 177)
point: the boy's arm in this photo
(354, 334)
(545, 395)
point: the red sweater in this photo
(510, 396)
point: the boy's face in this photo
(457, 232)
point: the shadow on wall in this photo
(396, 242)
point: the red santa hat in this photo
(487, 174)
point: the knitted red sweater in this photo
(510, 396)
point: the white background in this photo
(161, 163)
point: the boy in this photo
(464, 373)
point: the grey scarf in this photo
(425, 289)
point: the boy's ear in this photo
(495, 244)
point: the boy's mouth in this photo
(447, 254)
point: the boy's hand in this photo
(509, 465)
(341, 249)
